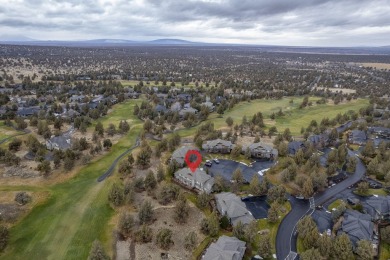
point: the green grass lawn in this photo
(384, 251)
(6, 131)
(370, 192)
(76, 213)
(294, 118)
(335, 204)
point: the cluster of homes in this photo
(200, 180)
(229, 248)
(29, 104)
(177, 101)
(357, 225)
(376, 133)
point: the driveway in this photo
(257, 205)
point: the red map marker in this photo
(193, 159)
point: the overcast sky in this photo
(276, 22)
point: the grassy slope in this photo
(6, 131)
(295, 119)
(76, 213)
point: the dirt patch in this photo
(23, 171)
(123, 250)
(343, 90)
(10, 212)
(377, 65)
(165, 220)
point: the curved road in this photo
(114, 163)
(285, 238)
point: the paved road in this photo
(115, 162)
(285, 238)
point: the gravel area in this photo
(165, 220)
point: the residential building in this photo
(294, 146)
(226, 248)
(179, 154)
(357, 137)
(61, 142)
(261, 150)
(199, 179)
(320, 140)
(357, 226)
(233, 207)
(382, 132)
(378, 207)
(218, 146)
(187, 110)
(28, 111)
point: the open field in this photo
(377, 65)
(75, 214)
(294, 118)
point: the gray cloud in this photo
(304, 22)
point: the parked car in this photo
(300, 197)
(351, 201)
(375, 185)
(208, 163)
(216, 161)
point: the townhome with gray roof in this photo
(357, 226)
(261, 150)
(226, 248)
(233, 207)
(179, 154)
(199, 179)
(378, 207)
(218, 146)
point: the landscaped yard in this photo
(335, 204)
(76, 212)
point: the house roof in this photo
(180, 153)
(198, 176)
(379, 129)
(378, 205)
(27, 111)
(160, 108)
(315, 139)
(62, 142)
(357, 226)
(217, 143)
(234, 208)
(358, 135)
(189, 110)
(294, 146)
(226, 248)
(260, 147)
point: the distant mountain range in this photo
(22, 40)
